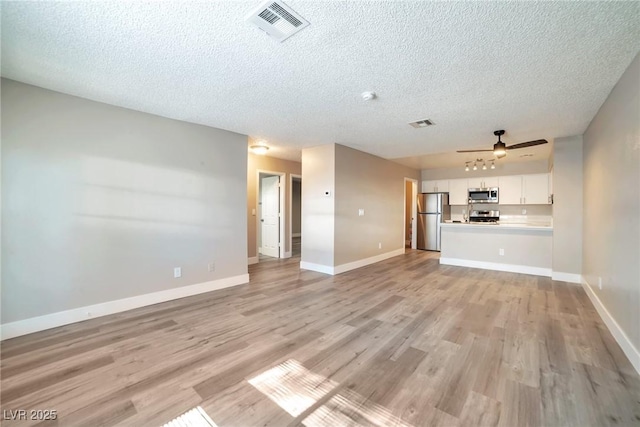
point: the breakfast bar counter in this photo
(521, 247)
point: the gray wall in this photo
(318, 210)
(567, 205)
(517, 168)
(365, 181)
(611, 231)
(101, 203)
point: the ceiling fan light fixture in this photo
(499, 149)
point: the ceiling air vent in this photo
(422, 123)
(277, 19)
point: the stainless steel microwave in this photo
(483, 195)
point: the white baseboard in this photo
(327, 269)
(320, 268)
(252, 260)
(287, 254)
(621, 338)
(296, 234)
(367, 261)
(566, 277)
(512, 268)
(61, 318)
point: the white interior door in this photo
(270, 220)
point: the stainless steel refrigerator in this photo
(433, 210)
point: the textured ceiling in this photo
(538, 70)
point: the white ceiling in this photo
(538, 70)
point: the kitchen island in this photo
(505, 246)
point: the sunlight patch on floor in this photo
(196, 417)
(295, 389)
(292, 386)
(348, 408)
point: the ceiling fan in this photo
(500, 149)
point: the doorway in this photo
(410, 213)
(295, 213)
(270, 218)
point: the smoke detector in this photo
(277, 19)
(422, 123)
(368, 96)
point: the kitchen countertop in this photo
(534, 225)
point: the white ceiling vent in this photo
(277, 19)
(422, 123)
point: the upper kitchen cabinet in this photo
(458, 192)
(525, 190)
(510, 190)
(535, 189)
(486, 182)
(439, 186)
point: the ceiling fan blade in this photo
(527, 144)
(471, 151)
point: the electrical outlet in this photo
(360, 212)
(380, 245)
(524, 211)
(600, 283)
(212, 267)
(177, 272)
(501, 252)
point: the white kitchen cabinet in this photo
(535, 189)
(485, 182)
(491, 181)
(458, 192)
(435, 186)
(525, 189)
(510, 190)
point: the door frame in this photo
(414, 212)
(291, 177)
(281, 196)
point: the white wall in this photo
(318, 210)
(100, 203)
(567, 207)
(611, 231)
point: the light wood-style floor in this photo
(402, 342)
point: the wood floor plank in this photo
(34, 384)
(406, 341)
(234, 374)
